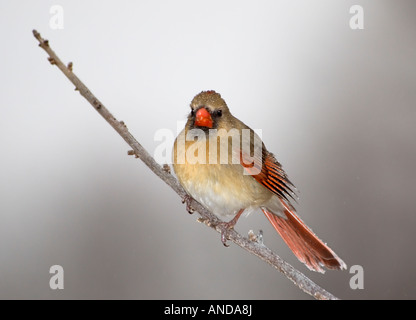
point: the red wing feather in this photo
(271, 174)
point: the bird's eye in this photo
(218, 113)
(192, 112)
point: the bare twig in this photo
(163, 173)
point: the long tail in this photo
(306, 246)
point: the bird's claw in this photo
(224, 237)
(225, 227)
(187, 199)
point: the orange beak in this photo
(203, 118)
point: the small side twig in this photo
(255, 247)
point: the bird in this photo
(223, 164)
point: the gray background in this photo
(336, 106)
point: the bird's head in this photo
(208, 111)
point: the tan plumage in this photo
(228, 183)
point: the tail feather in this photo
(306, 246)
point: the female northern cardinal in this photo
(228, 187)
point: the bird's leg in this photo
(226, 226)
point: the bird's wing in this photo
(264, 167)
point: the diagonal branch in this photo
(254, 247)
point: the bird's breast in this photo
(224, 189)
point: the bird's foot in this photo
(187, 199)
(225, 227)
